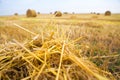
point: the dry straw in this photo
(58, 14)
(31, 13)
(56, 59)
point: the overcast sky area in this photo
(9, 7)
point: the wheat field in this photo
(71, 47)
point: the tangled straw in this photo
(55, 60)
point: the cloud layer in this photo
(9, 7)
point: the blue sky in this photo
(9, 7)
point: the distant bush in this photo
(50, 12)
(16, 14)
(38, 12)
(94, 12)
(73, 12)
(65, 13)
(98, 13)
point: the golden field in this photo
(71, 47)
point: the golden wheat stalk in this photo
(24, 29)
(57, 77)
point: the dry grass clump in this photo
(107, 13)
(31, 13)
(55, 59)
(103, 43)
(58, 14)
